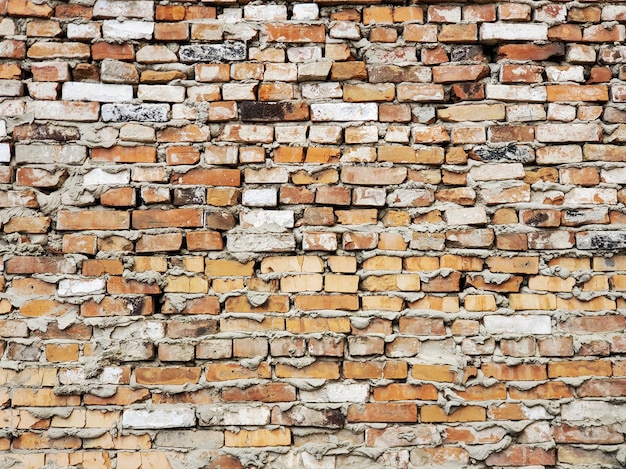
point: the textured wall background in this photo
(312, 235)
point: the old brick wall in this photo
(352, 234)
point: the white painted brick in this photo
(337, 392)
(314, 70)
(614, 176)
(305, 11)
(325, 133)
(159, 417)
(128, 9)
(7, 27)
(141, 330)
(517, 324)
(497, 171)
(409, 197)
(322, 90)
(65, 154)
(99, 177)
(100, 92)
(558, 154)
(261, 242)
(344, 112)
(568, 133)
(72, 287)
(162, 93)
(466, 216)
(598, 411)
(574, 73)
(109, 375)
(233, 415)
(239, 91)
(495, 32)
(127, 30)
(5, 152)
(373, 196)
(525, 112)
(260, 197)
(345, 30)
(530, 94)
(271, 220)
(265, 12)
(590, 195)
(11, 88)
(561, 112)
(83, 31)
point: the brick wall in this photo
(312, 235)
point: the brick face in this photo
(252, 228)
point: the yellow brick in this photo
(342, 264)
(421, 264)
(228, 268)
(193, 263)
(382, 263)
(258, 438)
(341, 283)
(292, 264)
(556, 284)
(384, 303)
(480, 303)
(300, 283)
(446, 304)
(398, 282)
(144, 264)
(184, 284)
(529, 301)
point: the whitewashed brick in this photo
(75, 287)
(597, 411)
(239, 91)
(345, 30)
(589, 195)
(233, 415)
(265, 12)
(99, 177)
(127, 30)
(163, 93)
(564, 73)
(568, 133)
(127, 8)
(271, 220)
(344, 112)
(614, 176)
(260, 197)
(497, 171)
(494, 32)
(64, 154)
(337, 392)
(525, 112)
(558, 154)
(518, 324)
(260, 242)
(305, 11)
(530, 94)
(369, 196)
(5, 152)
(466, 216)
(159, 417)
(11, 88)
(304, 54)
(83, 31)
(100, 92)
(322, 90)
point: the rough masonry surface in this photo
(318, 234)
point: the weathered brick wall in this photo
(312, 235)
